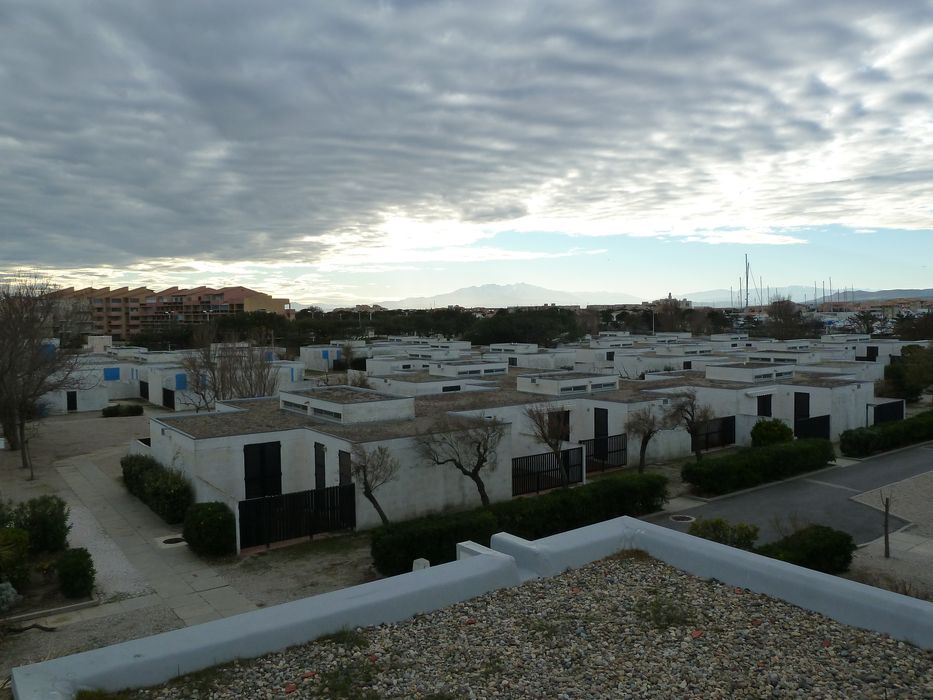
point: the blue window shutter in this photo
(111, 374)
(292, 373)
(181, 382)
(325, 354)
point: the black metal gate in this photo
(893, 410)
(299, 514)
(540, 472)
(816, 427)
(718, 432)
(603, 453)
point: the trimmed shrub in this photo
(46, 520)
(210, 529)
(168, 494)
(750, 467)
(76, 573)
(435, 537)
(740, 535)
(771, 432)
(166, 491)
(394, 547)
(14, 556)
(135, 468)
(122, 410)
(816, 547)
(862, 442)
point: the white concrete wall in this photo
(422, 488)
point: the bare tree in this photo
(467, 444)
(687, 411)
(31, 363)
(221, 371)
(372, 469)
(886, 503)
(645, 424)
(550, 425)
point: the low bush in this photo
(210, 529)
(740, 535)
(76, 573)
(45, 518)
(757, 465)
(122, 410)
(14, 556)
(815, 547)
(135, 468)
(771, 432)
(862, 442)
(167, 492)
(435, 537)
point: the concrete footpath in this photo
(171, 575)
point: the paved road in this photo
(822, 498)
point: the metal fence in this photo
(536, 473)
(300, 514)
(718, 432)
(605, 452)
(815, 427)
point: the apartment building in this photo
(124, 312)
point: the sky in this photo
(358, 152)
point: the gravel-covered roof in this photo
(625, 627)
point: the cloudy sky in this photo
(365, 151)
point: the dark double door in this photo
(267, 515)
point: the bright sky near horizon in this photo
(369, 151)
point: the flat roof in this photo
(344, 394)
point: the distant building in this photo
(124, 312)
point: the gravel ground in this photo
(115, 577)
(621, 628)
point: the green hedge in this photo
(816, 547)
(210, 529)
(435, 537)
(14, 557)
(76, 573)
(757, 465)
(45, 518)
(862, 442)
(122, 410)
(166, 491)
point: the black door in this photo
(601, 433)
(71, 397)
(872, 353)
(262, 469)
(801, 405)
(343, 460)
(144, 389)
(319, 469)
(764, 405)
(168, 398)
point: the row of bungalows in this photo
(284, 464)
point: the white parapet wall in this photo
(507, 562)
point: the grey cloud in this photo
(234, 130)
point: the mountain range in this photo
(502, 295)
